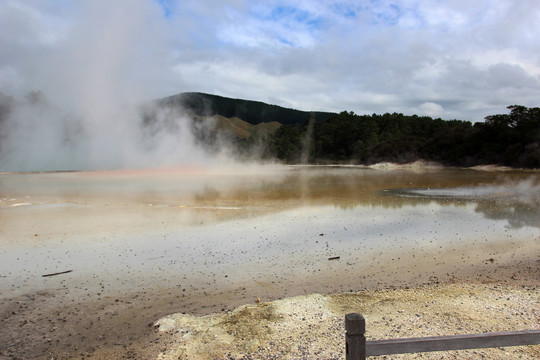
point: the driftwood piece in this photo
(57, 273)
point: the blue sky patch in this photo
(389, 15)
(165, 7)
(284, 14)
(345, 10)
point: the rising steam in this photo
(38, 136)
(82, 109)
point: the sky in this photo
(452, 59)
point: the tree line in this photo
(507, 139)
(511, 139)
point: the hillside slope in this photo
(253, 112)
(242, 129)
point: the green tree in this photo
(286, 143)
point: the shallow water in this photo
(152, 227)
(200, 240)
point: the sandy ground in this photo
(312, 326)
(496, 295)
(106, 308)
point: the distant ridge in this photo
(253, 112)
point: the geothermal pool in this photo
(131, 246)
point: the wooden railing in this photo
(357, 348)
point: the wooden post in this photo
(355, 341)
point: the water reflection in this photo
(517, 214)
(518, 202)
(208, 195)
(513, 197)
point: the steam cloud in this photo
(82, 104)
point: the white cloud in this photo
(348, 55)
(431, 109)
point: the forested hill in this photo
(506, 139)
(253, 112)
(255, 129)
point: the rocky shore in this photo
(312, 326)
